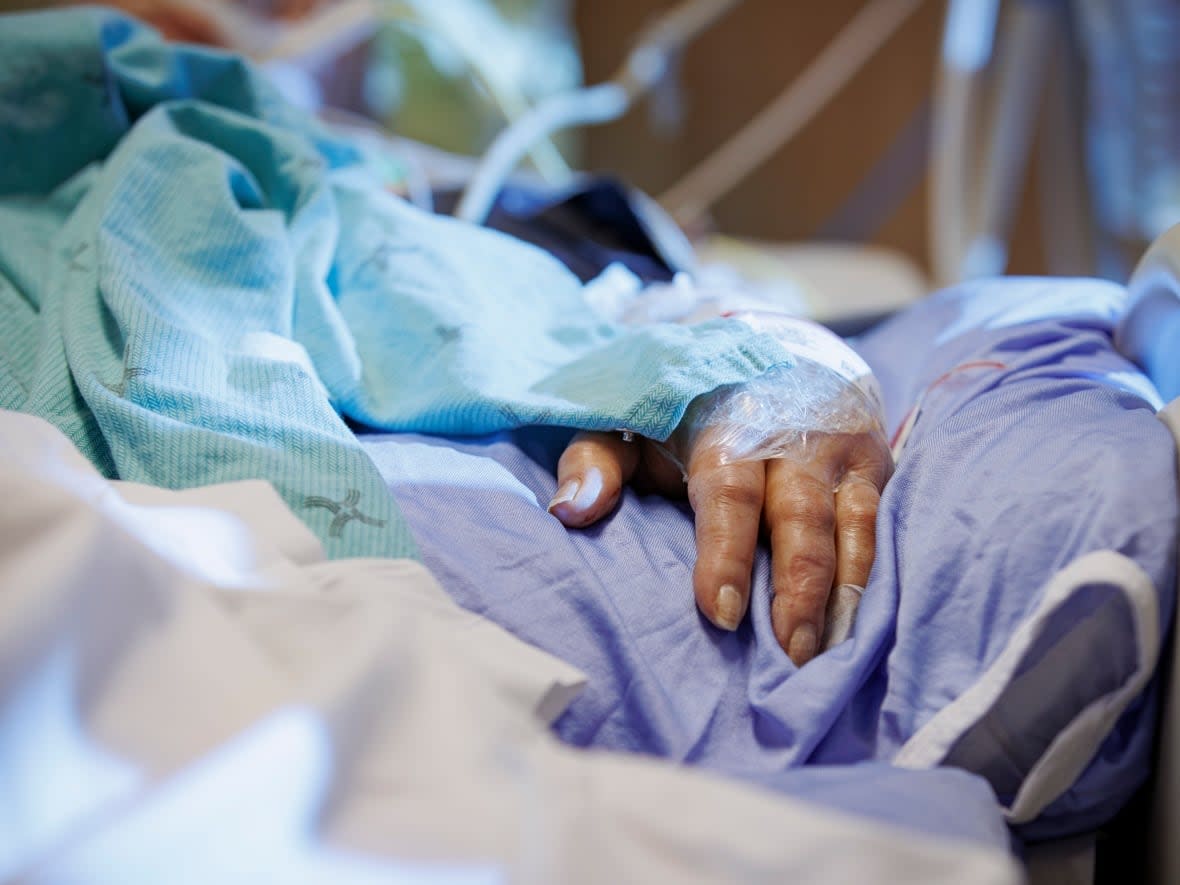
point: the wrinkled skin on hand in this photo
(817, 505)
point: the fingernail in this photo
(729, 608)
(585, 497)
(803, 644)
(565, 494)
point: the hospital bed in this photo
(999, 681)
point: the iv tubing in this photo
(644, 67)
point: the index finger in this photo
(727, 500)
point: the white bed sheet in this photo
(188, 693)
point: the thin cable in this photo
(718, 174)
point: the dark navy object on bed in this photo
(1020, 593)
(588, 227)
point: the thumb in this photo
(590, 475)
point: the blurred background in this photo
(865, 167)
(811, 186)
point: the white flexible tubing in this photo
(597, 104)
(719, 173)
(591, 106)
(967, 44)
(1028, 38)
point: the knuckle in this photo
(878, 462)
(809, 507)
(857, 571)
(739, 495)
(720, 543)
(809, 573)
(727, 493)
(859, 515)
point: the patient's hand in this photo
(819, 511)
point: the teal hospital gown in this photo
(199, 284)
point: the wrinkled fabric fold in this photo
(166, 220)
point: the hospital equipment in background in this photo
(1086, 88)
(1102, 80)
(1093, 84)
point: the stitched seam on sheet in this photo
(929, 746)
(1071, 750)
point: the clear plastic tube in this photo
(597, 104)
(645, 66)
